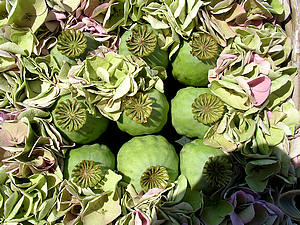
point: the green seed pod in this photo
(184, 120)
(144, 113)
(87, 174)
(147, 162)
(94, 155)
(142, 41)
(71, 43)
(195, 59)
(71, 117)
(206, 168)
(208, 108)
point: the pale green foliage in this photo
(105, 82)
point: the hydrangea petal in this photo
(260, 89)
(264, 65)
(140, 218)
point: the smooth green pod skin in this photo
(101, 154)
(193, 157)
(181, 112)
(155, 122)
(188, 69)
(158, 58)
(91, 131)
(139, 153)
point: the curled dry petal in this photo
(264, 65)
(54, 15)
(222, 63)
(87, 24)
(54, 20)
(257, 88)
(140, 218)
(9, 115)
(152, 192)
(260, 89)
(13, 133)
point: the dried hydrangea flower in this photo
(106, 81)
(21, 197)
(262, 211)
(81, 205)
(158, 204)
(222, 19)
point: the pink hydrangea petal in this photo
(140, 218)
(55, 16)
(260, 84)
(87, 21)
(224, 57)
(258, 23)
(269, 114)
(260, 89)
(99, 28)
(91, 25)
(222, 62)
(5, 139)
(152, 192)
(265, 66)
(90, 6)
(78, 26)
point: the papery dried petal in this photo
(152, 192)
(260, 89)
(264, 65)
(13, 133)
(223, 62)
(140, 218)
